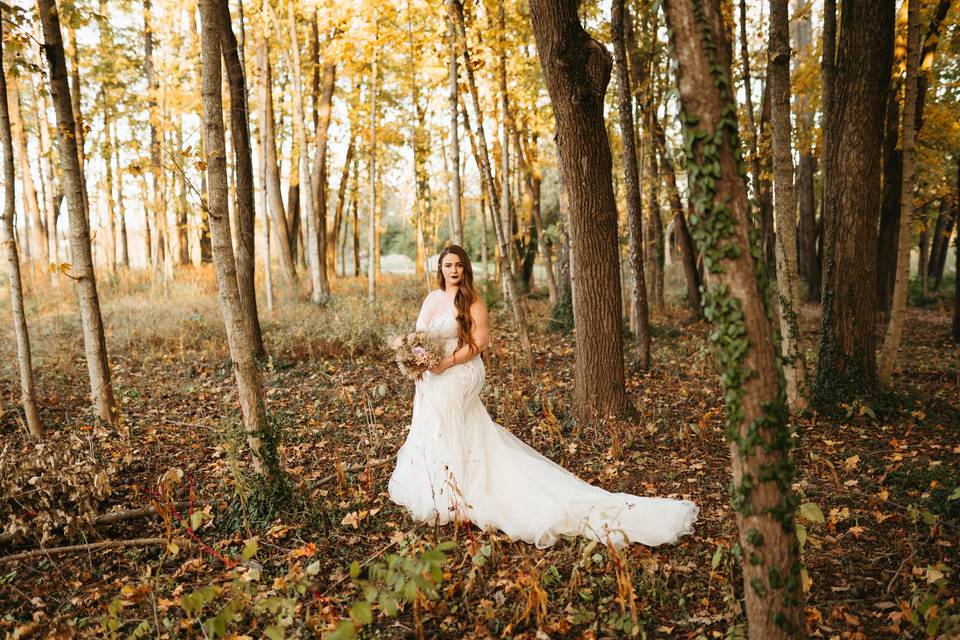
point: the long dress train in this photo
(457, 463)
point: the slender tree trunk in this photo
(124, 247)
(654, 226)
(534, 183)
(108, 176)
(305, 197)
(778, 75)
(891, 342)
(638, 301)
(748, 97)
(319, 179)
(942, 257)
(421, 150)
(577, 70)
(53, 193)
(261, 441)
(246, 213)
(956, 291)
(80, 130)
(847, 360)
(923, 246)
(744, 338)
(807, 264)
(505, 264)
(93, 336)
(341, 202)
(372, 163)
(892, 184)
(38, 252)
(688, 253)
(205, 242)
(268, 141)
(456, 216)
(356, 220)
(8, 248)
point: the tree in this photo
(240, 138)
(847, 362)
(456, 217)
(778, 75)
(268, 141)
(638, 302)
(891, 342)
(95, 345)
(736, 302)
(260, 438)
(577, 69)
(8, 248)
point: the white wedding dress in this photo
(457, 463)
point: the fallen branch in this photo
(93, 546)
(373, 464)
(119, 516)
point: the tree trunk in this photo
(372, 164)
(93, 337)
(268, 139)
(356, 220)
(956, 291)
(341, 201)
(828, 81)
(655, 241)
(743, 340)
(765, 192)
(689, 255)
(891, 341)
(246, 213)
(108, 179)
(38, 248)
(847, 362)
(8, 248)
(506, 266)
(421, 151)
(260, 439)
(53, 193)
(80, 128)
(748, 96)
(456, 217)
(778, 75)
(807, 265)
(576, 69)
(319, 179)
(305, 195)
(638, 301)
(892, 183)
(942, 256)
(124, 247)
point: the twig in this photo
(93, 546)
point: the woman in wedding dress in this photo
(458, 464)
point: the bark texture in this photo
(260, 440)
(847, 361)
(95, 346)
(577, 69)
(240, 138)
(735, 302)
(8, 250)
(778, 75)
(638, 301)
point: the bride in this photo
(458, 464)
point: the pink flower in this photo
(419, 352)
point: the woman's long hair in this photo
(466, 295)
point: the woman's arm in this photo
(480, 334)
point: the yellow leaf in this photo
(851, 463)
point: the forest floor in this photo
(878, 482)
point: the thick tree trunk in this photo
(778, 75)
(261, 441)
(638, 300)
(576, 69)
(744, 338)
(246, 213)
(891, 341)
(456, 216)
(268, 139)
(93, 337)
(847, 360)
(8, 249)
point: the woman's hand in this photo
(443, 366)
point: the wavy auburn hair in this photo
(466, 295)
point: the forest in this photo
(717, 239)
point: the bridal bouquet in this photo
(416, 352)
